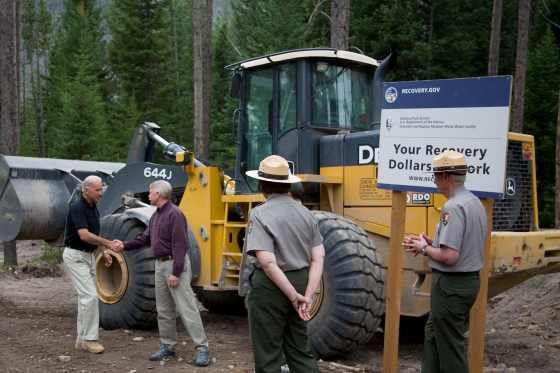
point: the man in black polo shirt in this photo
(81, 241)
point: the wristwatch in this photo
(423, 250)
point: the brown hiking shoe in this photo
(93, 346)
(79, 346)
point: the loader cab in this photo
(289, 100)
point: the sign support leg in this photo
(477, 320)
(394, 283)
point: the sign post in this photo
(477, 320)
(420, 120)
(394, 283)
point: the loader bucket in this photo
(35, 194)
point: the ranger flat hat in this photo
(450, 162)
(274, 168)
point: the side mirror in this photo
(235, 84)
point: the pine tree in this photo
(434, 39)
(271, 26)
(181, 114)
(76, 67)
(140, 53)
(36, 32)
(151, 59)
(124, 118)
(222, 146)
(541, 99)
(82, 131)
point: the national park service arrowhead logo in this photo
(389, 123)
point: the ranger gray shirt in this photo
(284, 227)
(462, 227)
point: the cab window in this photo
(258, 119)
(342, 98)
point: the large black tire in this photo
(352, 298)
(222, 302)
(136, 307)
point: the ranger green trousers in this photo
(275, 325)
(451, 299)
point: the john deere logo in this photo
(391, 94)
(510, 187)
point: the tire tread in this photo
(137, 308)
(358, 298)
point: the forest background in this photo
(92, 71)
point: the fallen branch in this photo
(347, 367)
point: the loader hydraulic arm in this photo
(171, 150)
(142, 147)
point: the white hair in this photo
(163, 187)
(459, 178)
(88, 181)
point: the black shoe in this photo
(162, 353)
(202, 358)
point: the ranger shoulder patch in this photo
(445, 217)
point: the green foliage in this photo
(28, 134)
(124, 118)
(143, 63)
(51, 254)
(541, 113)
(519, 346)
(180, 116)
(35, 19)
(270, 26)
(97, 95)
(82, 127)
(36, 34)
(435, 40)
(140, 51)
(75, 113)
(222, 147)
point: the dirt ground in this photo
(38, 322)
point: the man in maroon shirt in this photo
(167, 234)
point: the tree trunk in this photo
(18, 58)
(557, 189)
(36, 119)
(340, 10)
(23, 112)
(494, 56)
(175, 52)
(207, 82)
(430, 38)
(521, 64)
(9, 97)
(176, 67)
(197, 77)
(10, 253)
(40, 116)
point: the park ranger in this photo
(456, 254)
(285, 247)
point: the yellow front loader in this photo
(320, 110)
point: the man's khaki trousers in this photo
(81, 270)
(182, 299)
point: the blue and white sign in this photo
(422, 119)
